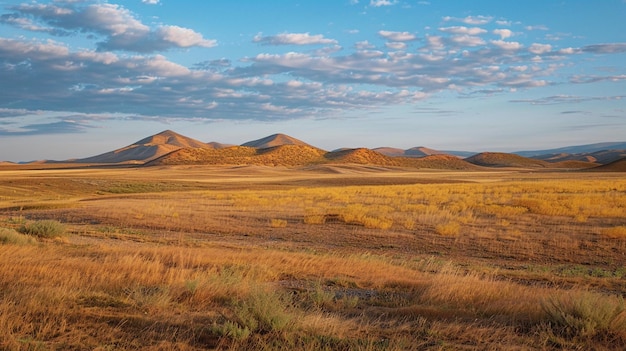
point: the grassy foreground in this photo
(283, 259)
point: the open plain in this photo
(326, 257)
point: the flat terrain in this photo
(335, 257)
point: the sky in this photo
(79, 78)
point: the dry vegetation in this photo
(328, 258)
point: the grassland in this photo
(322, 258)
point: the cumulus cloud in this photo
(507, 45)
(537, 27)
(43, 75)
(471, 20)
(463, 30)
(379, 3)
(396, 45)
(540, 48)
(293, 39)
(151, 2)
(119, 27)
(397, 36)
(503, 33)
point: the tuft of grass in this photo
(278, 223)
(586, 315)
(10, 236)
(448, 229)
(615, 232)
(314, 219)
(44, 229)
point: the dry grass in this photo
(258, 258)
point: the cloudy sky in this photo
(80, 77)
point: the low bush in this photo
(263, 311)
(44, 229)
(10, 236)
(586, 315)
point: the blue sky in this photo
(79, 78)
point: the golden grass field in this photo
(320, 258)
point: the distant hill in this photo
(291, 155)
(237, 155)
(615, 166)
(443, 162)
(274, 140)
(501, 159)
(216, 145)
(171, 148)
(146, 149)
(282, 155)
(419, 151)
(600, 157)
(361, 156)
(565, 157)
(577, 149)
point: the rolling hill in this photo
(501, 159)
(419, 151)
(171, 148)
(274, 140)
(147, 149)
(600, 157)
(615, 166)
(576, 149)
(361, 156)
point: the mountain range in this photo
(171, 148)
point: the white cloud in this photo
(396, 45)
(293, 39)
(47, 75)
(463, 30)
(435, 42)
(507, 45)
(119, 26)
(471, 20)
(150, 2)
(397, 36)
(537, 27)
(379, 3)
(363, 45)
(568, 51)
(467, 40)
(539, 49)
(183, 37)
(503, 33)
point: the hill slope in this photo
(615, 166)
(361, 156)
(282, 155)
(274, 140)
(577, 149)
(419, 151)
(501, 159)
(146, 149)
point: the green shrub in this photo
(44, 229)
(586, 315)
(263, 311)
(10, 236)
